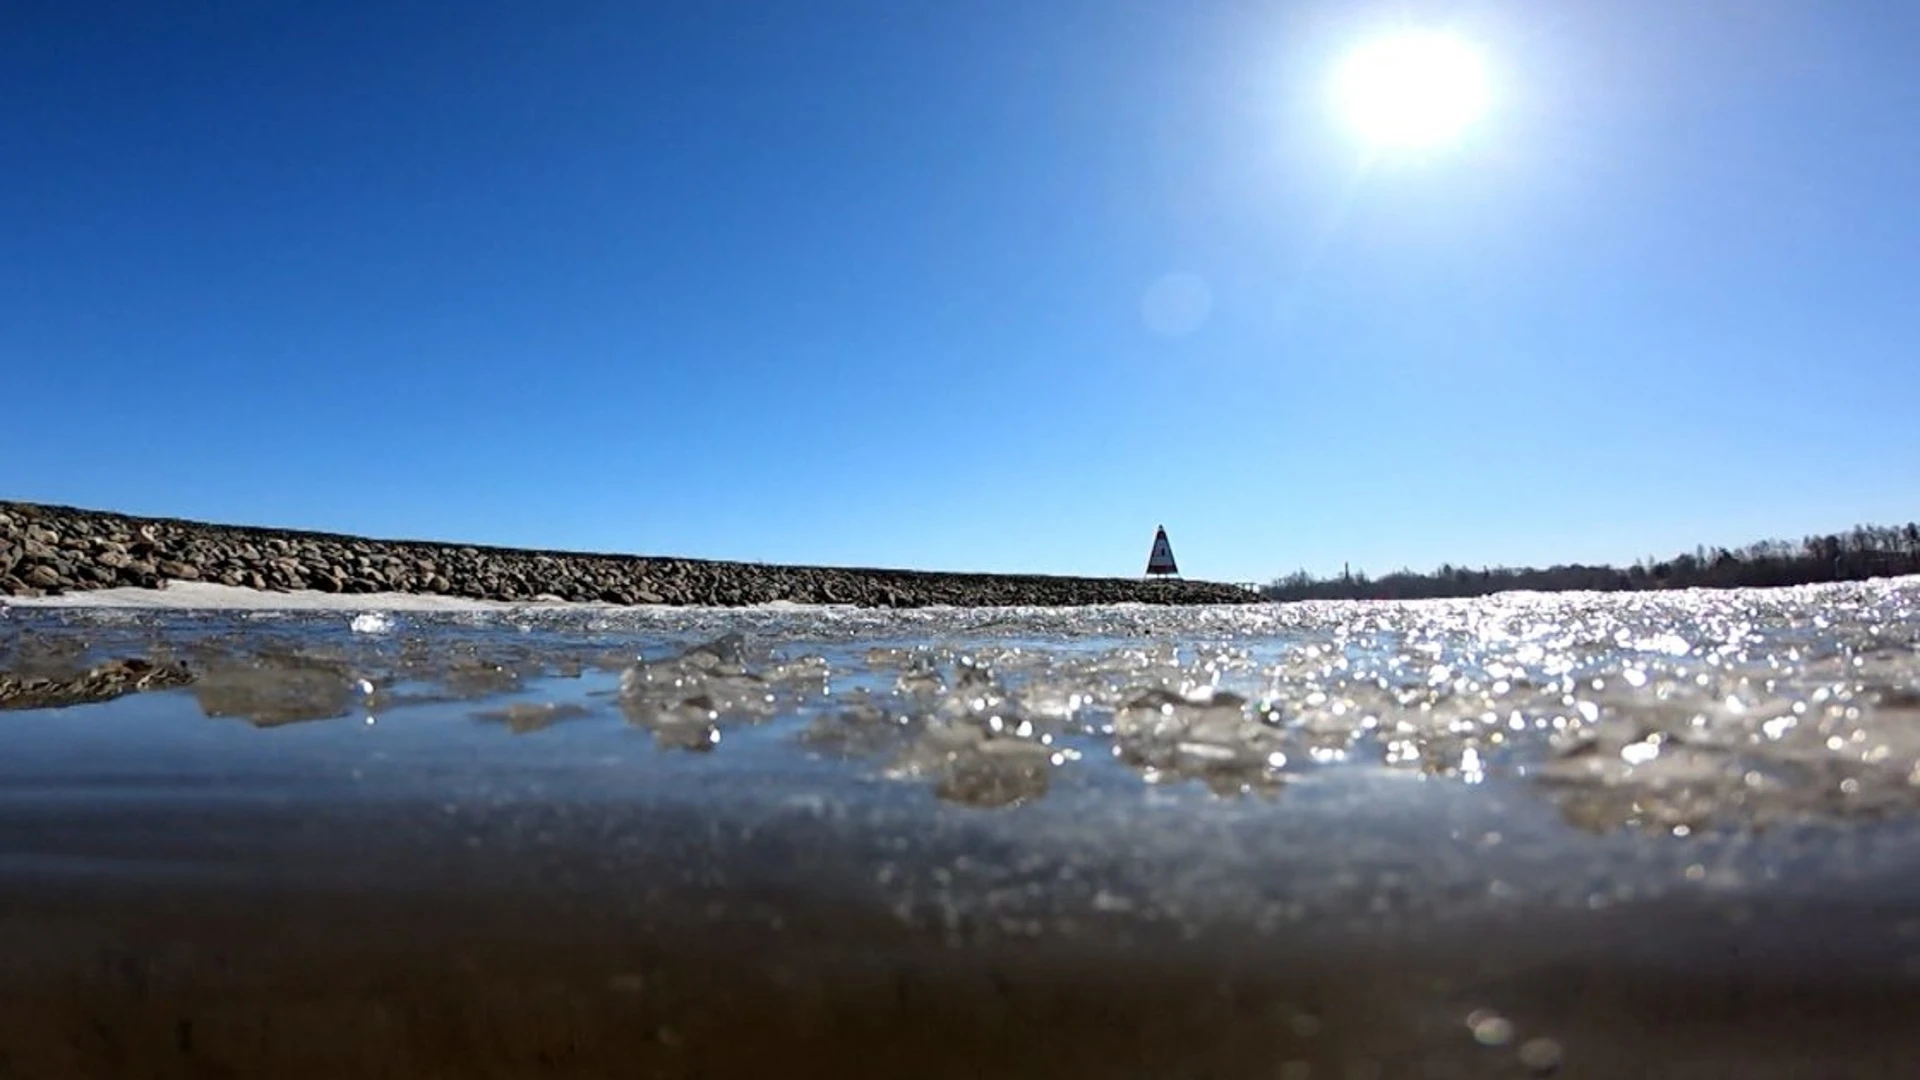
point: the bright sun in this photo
(1410, 90)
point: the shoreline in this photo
(65, 552)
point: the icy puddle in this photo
(1646, 835)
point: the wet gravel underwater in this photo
(1656, 834)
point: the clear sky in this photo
(994, 284)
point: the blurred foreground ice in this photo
(1300, 841)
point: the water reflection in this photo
(271, 690)
(523, 718)
(1625, 711)
(39, 688)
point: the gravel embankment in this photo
(46, 550)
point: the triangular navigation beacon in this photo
(1160, 560)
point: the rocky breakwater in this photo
(49, 549)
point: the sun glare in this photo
(1413, 89)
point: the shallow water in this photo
(1650, 834)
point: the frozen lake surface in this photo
(1662, 834)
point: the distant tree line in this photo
(1868, 551)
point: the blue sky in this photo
(871, 282)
